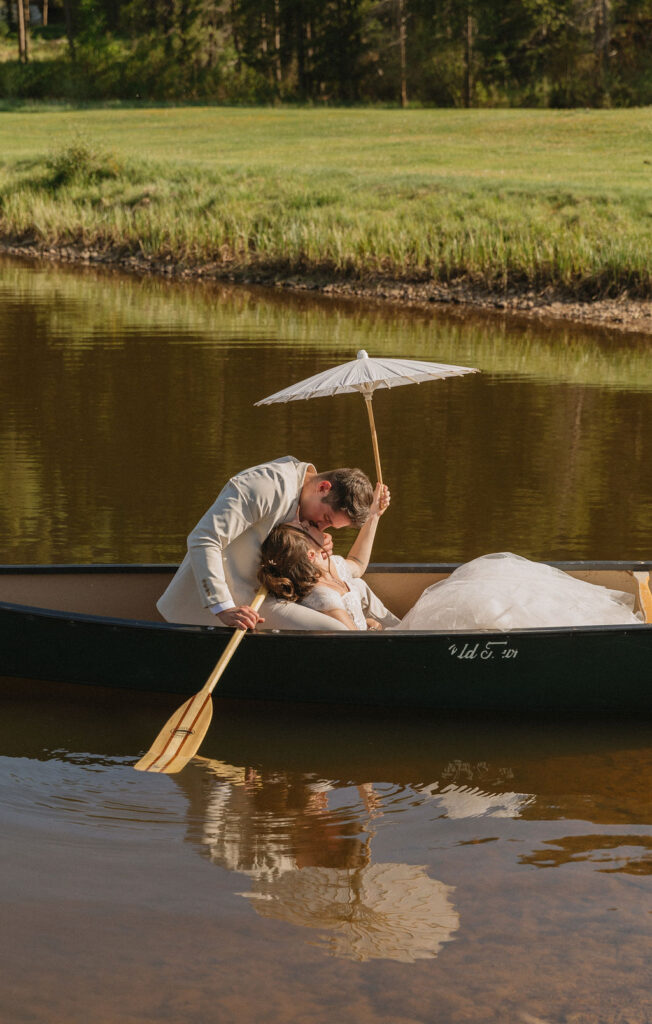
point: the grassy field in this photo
(502, 198)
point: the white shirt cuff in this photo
(217, 608)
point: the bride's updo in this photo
(285, 568)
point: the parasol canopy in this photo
(366, 375)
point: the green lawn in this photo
(504, 197)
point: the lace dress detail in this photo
(325, 599)
(504, 591)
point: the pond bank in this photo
(622, 314)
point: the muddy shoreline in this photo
(622, 314)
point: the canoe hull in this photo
(589, 669)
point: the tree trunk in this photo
(45, 12)
(312, 87)
(277, 44)
(602, 47)
(236, 38)
(67, 10)
(401, 46)
(300, 29)
(468, 61)
(27, 26)
(22, 39)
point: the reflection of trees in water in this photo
(116, 354)
(80, 306)
(308, 855)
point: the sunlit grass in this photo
(503, 199)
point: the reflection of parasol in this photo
(366, 375)
(381, 911)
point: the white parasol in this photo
(366, 375)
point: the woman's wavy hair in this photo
(285, 568)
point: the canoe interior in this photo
(131, 592)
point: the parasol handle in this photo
(374, 437)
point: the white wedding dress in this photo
(324, 599)
(504, 591)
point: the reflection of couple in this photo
(267, 524)
(311, 865)
(305, 844)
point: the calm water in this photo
(315, 866)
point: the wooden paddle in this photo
(182, 734)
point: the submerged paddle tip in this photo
(180, 737)
(146, 764)
(161, 767)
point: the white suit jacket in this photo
(224, 553)
(224, 547)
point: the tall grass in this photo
(346, 220)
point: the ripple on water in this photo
(66, 789)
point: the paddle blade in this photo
(180, 737)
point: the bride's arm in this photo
(360, 553)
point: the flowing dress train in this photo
(504, 591)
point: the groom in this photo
(217, 578)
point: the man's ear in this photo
(324, 487)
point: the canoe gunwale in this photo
(632, 565)
(347, 637)
(67, 569)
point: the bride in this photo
(295, 567)
(497, 592)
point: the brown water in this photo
(125, 405)
(322, 865)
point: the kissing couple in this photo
(270, 524)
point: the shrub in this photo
(82, 163)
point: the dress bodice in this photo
(325, 599)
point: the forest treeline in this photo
(536, 53)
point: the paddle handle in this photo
(230, 648)
(374, 437)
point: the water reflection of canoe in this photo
(98, 625)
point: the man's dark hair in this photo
(351, 492)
